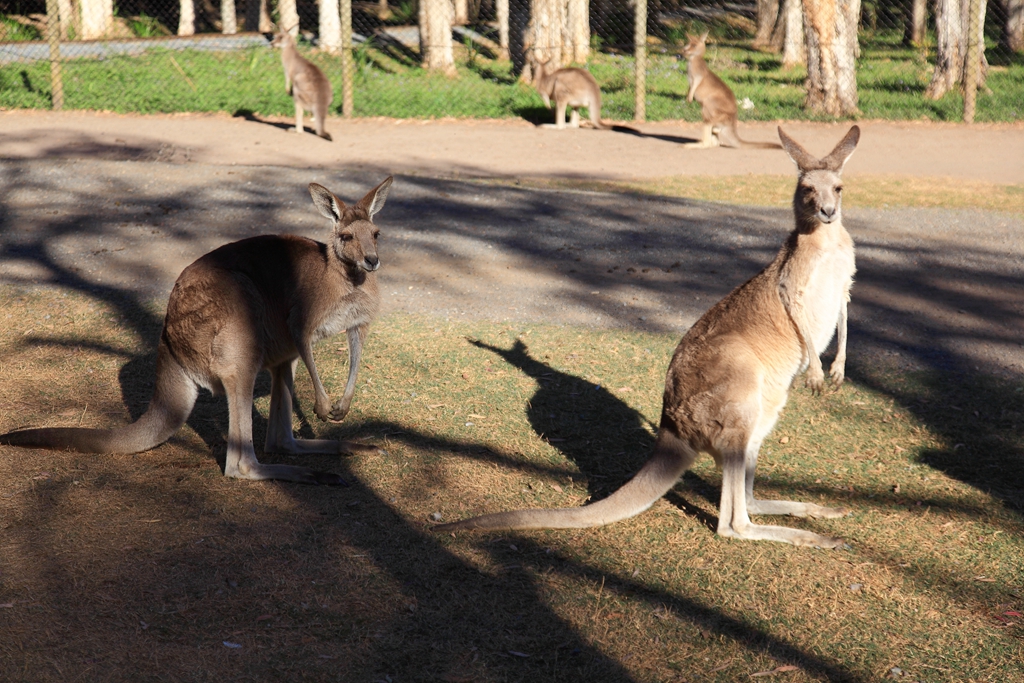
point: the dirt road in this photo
(116, 206)
(505, 148)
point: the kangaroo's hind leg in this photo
(298, 117)
(241, 461)
(756, 506)
(737, 457)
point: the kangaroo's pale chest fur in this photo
(830, 267)
(356, 308)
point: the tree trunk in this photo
(831, 28)
(98, 18)
(461, 17)
(578, 30)
(1013, 29)
(547, 21)
(767, 17)
(288, 17)
(788, 36)
(436, 36)
(68, 19)
(330, 27)
(228, 18)
(917, 23)
(187, 18)
(502, 15)
(952, 18)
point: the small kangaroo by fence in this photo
(730, 376)
(568, 87)
(717, 101)
(306, 83)
(258, 303)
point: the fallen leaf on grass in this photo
(723, 666)
(984, 579)
(556, 487)
(233, 646)
(264, 617)
(518, 654)
(6, 605)
(777, 670)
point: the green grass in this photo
(891, 82)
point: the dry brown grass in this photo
(143, 567)
(870, 191)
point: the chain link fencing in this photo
(783, 59)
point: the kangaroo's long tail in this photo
(671, 458)
(731, 137)
(172, 401)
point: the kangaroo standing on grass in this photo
(731, 373)
(258, 303)
(568, 87)
(305, 83)
(717, 101)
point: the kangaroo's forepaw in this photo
(338, 413)
(815, 381)
(838, 375)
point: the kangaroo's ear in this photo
(704, 37)
(838, 157)
(800, 157)
(375, 198)
(329, 206)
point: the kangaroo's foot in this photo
(794, 509)
(781, 534)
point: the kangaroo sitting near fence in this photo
(730, 376)
(258, 303)
(568, 87)
(717, 101)
(306, 84)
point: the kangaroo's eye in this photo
(376, 234)
(345, 237)
(839, 189)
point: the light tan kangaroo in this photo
(568, 87)
(731, 373)
(717, 101)
(306, 83)
(258, 303)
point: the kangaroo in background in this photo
(305, 83)
(730, 376)
(568, 87)
(258, 303)
(718, 103)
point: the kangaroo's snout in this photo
(371, 262)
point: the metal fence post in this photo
(53, 38)
(640, 55)
(347, 65)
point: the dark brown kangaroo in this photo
(258, 303)
(730, 375)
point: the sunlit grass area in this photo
(891, 83)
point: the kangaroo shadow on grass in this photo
(608, 440)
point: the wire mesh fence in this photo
(782, 59)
